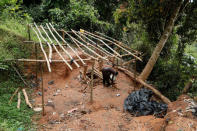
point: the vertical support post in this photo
(43, 111)
(28, 31)
(100, 64)
(85, 71)
(36, 54)
(63, 36)
(113, 61)
(92, 82)
(135, 83)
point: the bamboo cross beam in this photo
(95, 44)
(56, 49)
(50, 48)
(117, 42)
(89, 34)
(67, 44)
(85, 46)
(89, 43)
(62, 47)
(48, 64)
(33, 60)
(101, 38)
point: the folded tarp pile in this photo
(138, 103)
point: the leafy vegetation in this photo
(139, 24)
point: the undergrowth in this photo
(12, 35)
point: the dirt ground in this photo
(68, 107)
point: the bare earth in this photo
(68, 108)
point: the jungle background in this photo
(137, 23)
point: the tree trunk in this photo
(149, 66)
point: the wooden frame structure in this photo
(93, 45)
(97, 47)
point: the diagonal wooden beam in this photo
(50, 48)
(40, 42)
(85, 46)
(67, 44)
(56, 49)
(62, 46)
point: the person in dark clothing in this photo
(109, 76)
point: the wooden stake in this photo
(19, 100)
(92, 80)
(28, 31)
(14, 95)
(85, 71)
(63, 36)
(36, 54)
(100, 64)
(43, 111)
(26, 98)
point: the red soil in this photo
(104, 114)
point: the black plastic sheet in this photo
(138, 103)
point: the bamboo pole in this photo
(33, 60)
(19, 100)
(99, 37)
(85, 46)
(20, 76)
(16, 91)
(56, 49)
(92, 82)
(90, 44)
(68, 45)
(50, 48)
(118, 42)
(95, 44)
(85, 71)
(103, 43)
(28, 31)
(156, 92)
(100, 64)
(36, 51)
(26, 98)
(62, 47)
(43, 110)
(48, 63)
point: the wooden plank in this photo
(62, 47)
(48, 63)
(68, 44)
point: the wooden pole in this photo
(67, 53)
(28, 31)
(43, 111)
(19, 100)
(36, 54)
(92, 80)
(14, 95)
(100, 64)
(67, 43)
(85, 71)
(63, 36)
(26, 98)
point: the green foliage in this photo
(12, 118)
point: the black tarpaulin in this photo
(138, 103)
